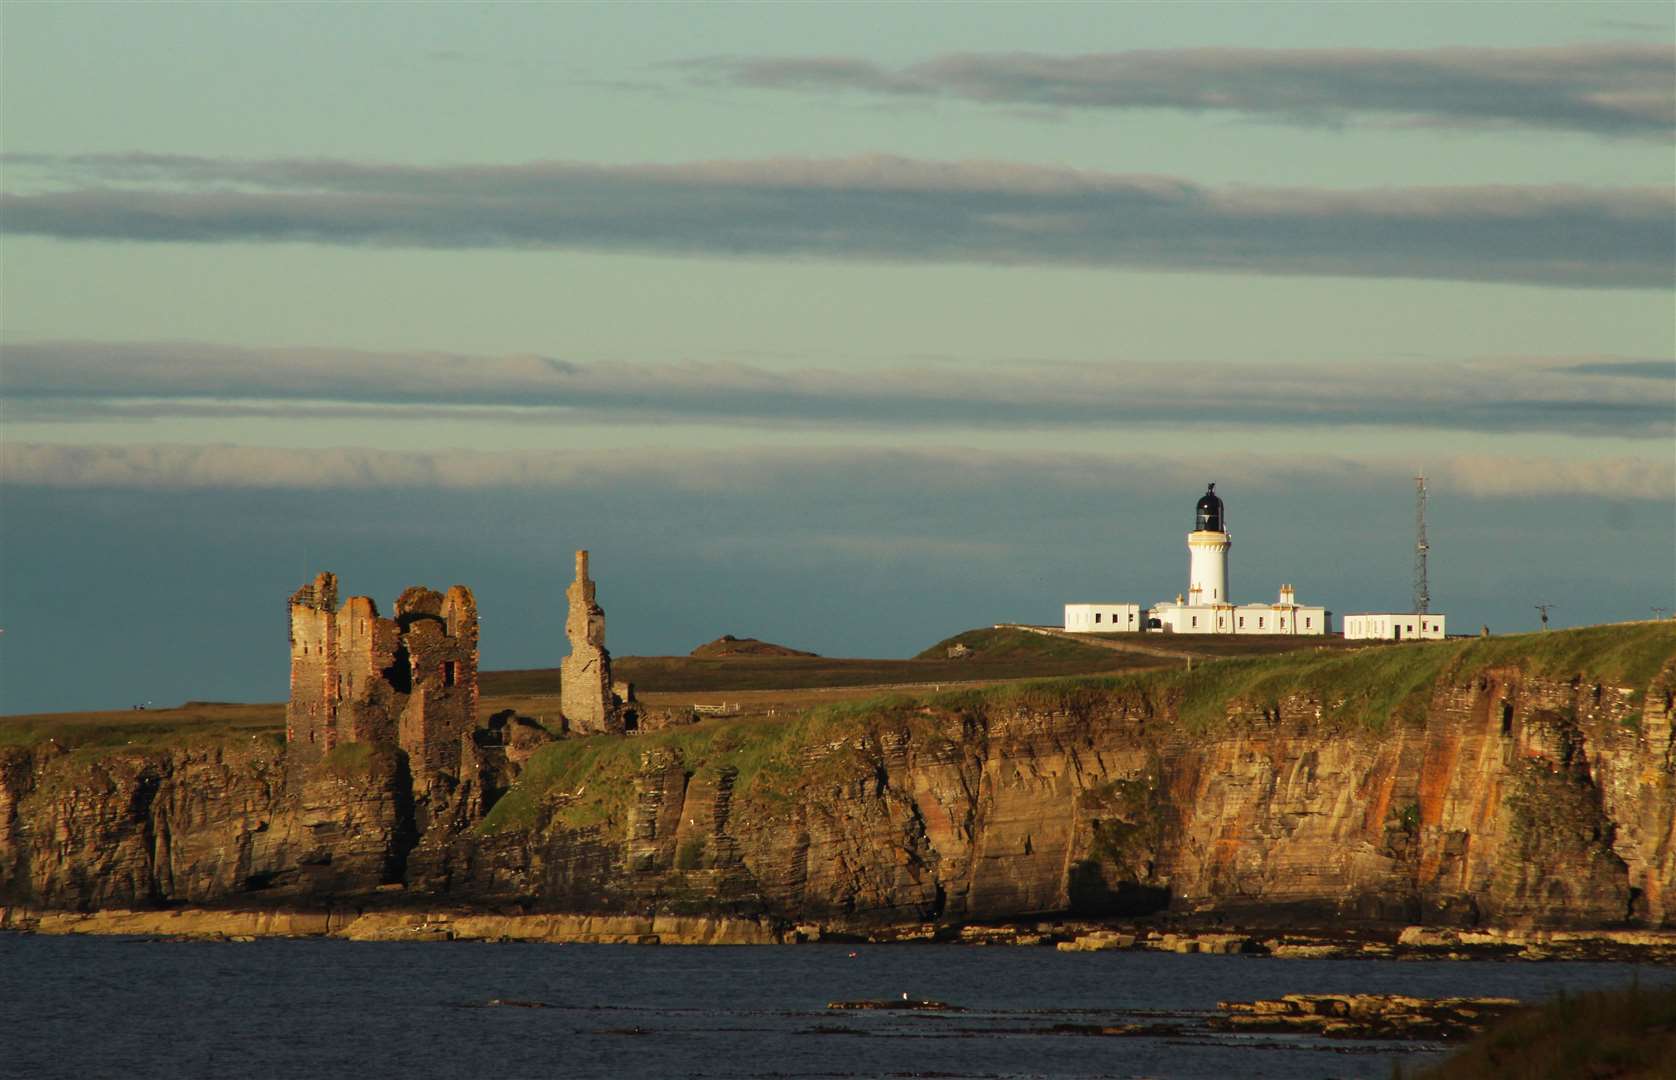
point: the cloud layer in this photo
(879, 208)
(1575, 396)
(883, 474)
(1616, 90)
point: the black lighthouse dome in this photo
(1210, 517)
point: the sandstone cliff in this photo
(1514, 781)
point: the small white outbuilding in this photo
(1388, 626)
(1102, 618)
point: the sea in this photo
(126, 1007)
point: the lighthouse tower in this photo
(1207, 552)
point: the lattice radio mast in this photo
(1422, 593)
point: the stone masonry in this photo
(409, 681)
(585, 690)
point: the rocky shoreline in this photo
(1405, 943)
(199, 924)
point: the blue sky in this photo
(847, 325)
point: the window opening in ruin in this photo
(448, 673)
(400, 672)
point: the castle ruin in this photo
(586, 694)
(411, 681)
(408, 681)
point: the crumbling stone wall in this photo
(585, 688)
(311, 708)
(439, 633)
(410, 681)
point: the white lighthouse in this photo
(1207, 552)
(1206, 608)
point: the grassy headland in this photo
(1361, 690)
(1627, 1034)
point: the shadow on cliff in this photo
(1091, 894)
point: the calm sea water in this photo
(111, 1007)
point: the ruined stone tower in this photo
(585, 676)
(410, 681)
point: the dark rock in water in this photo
(1131, 1030)
(895, 1003)
(515, 1003)
(1366, 1016)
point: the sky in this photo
(849, 326)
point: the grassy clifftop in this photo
(585, 781)
(191, 723)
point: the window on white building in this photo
(1096, 616)
(1259, 622)
(1306, 622)
(1195, 620)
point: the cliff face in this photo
(1454, 783)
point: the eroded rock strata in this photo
(1471, 785)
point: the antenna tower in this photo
(1422, 593)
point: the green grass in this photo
(1607, 1035)
(994, 644)
(148, 728)
(599, 771)
(1368, 689)
(577, 783)
(1627, 654)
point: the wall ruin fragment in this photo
(585, 687)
